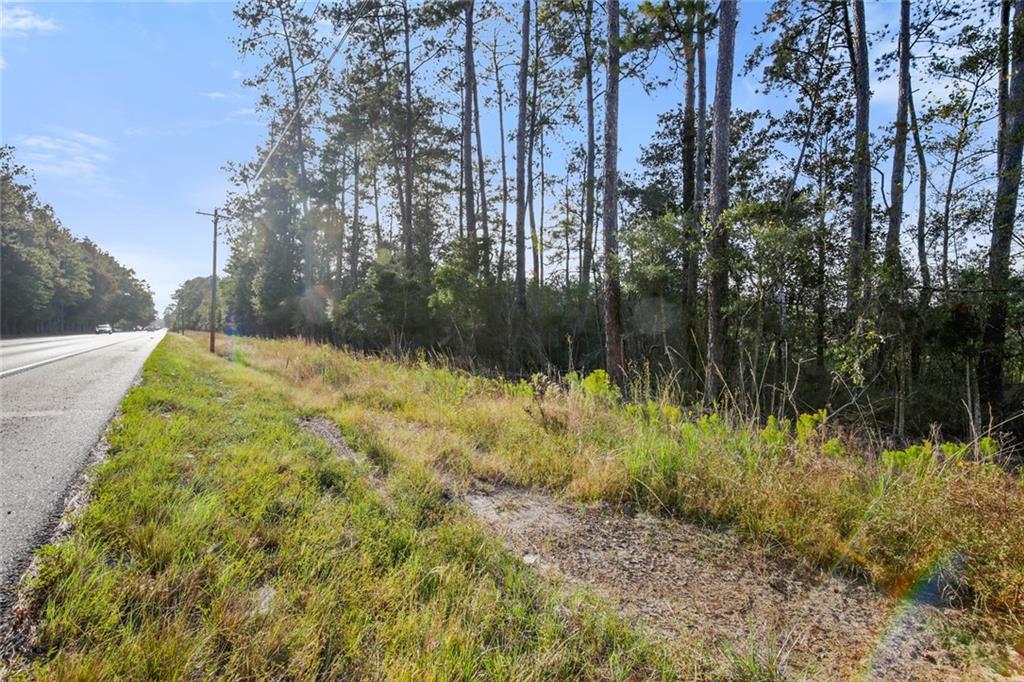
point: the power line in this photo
(316, 82)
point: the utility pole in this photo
(213, 280)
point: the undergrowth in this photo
(897, 517)
(223, 541)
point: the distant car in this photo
(104, 329)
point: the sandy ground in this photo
(691, 585)
(684, 583)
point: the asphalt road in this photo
(56, 396)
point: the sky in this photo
(127, 113)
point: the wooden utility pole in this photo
(213, 281)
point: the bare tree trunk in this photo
(718, 247)
(504, 171)
(692, 232)
(948, 210)
(407, 207)
(534, 108)
(485, 233)
(699, 171)
(614, 354)
(860, 210)
(925, 296)
(462, 176)
(355, 243)
(469, 76)
(590, 182)
(820, 238)
(524, 59)
(893, 260)
(543, 195)
(1004, 75)
(343, 217)
(378, 237)
(993, 349)
(568, 244)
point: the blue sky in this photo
(126, 113)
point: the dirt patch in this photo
(328, 431)
(685, 583)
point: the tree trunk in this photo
(355, 242)
(718, 247)
(524, 59)
(820, 242)
(893, 271)
(692, 234)
(534, 108)
(308, 233)
(485, 231)
(899, 155)
(1004, 75)
(504, 172)
(699, 171)
(947, 210)
(469, 76)
(590, 182)
(407, 207)
(343, 217)
(993, 348)
(925, 296)
(860, 209)
(378, 237)
(614, 354)
(540, 222)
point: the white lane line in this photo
(23, 368)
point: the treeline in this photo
(52, 282)
(190, 304)
(445, 175)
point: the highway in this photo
(56, 396)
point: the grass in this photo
(898, 518)
(223, 541)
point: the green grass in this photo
(895, 517)
(223, 541)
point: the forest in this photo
(445, 177)
(52, 282)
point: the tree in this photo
(614, 353)
(287, 35)
(524, 66)
(1011, 143)
(860, 210)
(718, 242)
(469, 87)
(51, 281)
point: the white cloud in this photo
(3, 63)
(236, 75)
(20, 20)
(67, 154)
(243, 116)
(214, 95)
(86, 139)
(239, 113)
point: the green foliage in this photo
(51, 281)
(224, 541)
(796, 483)
(598, 386)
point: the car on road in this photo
(104, 329)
